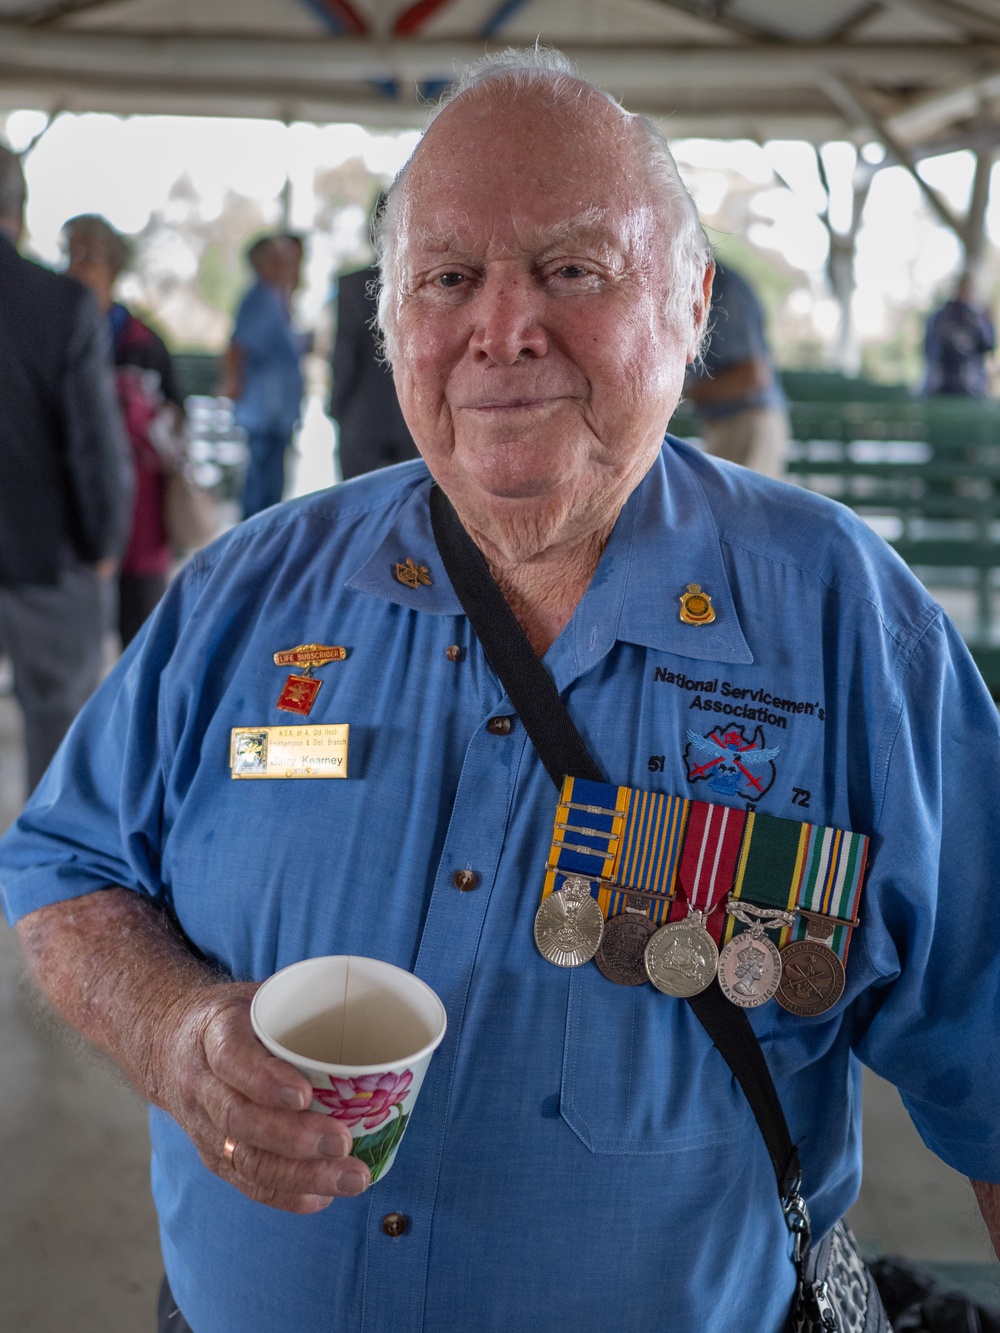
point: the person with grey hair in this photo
(65, 485)
(151, 407)
(597, 686)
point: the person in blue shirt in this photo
(263, 368)
(734, 387)
(957, 342)
(580, 1156)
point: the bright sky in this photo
(124, 168)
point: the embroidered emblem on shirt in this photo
(412, 575)
(731, 764)
(696, 606)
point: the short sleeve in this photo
(931, 928)
(97, 818)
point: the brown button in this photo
(500, 726)
(395, 1224)
(465, 880)
(453, 653)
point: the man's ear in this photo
(702, 307)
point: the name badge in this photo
(289, 752)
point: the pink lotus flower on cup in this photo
(369, 1098)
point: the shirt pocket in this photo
(640, 1074)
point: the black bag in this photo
(835, 1292)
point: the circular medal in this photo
(812, 978)
(620, 956)
(569, 925)
(749, 970)
(681, 958)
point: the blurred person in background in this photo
(65, 485)
(371, 432)
(734, 387)
(957, 342)
(152, 410)
(262, 368)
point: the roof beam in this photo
(210, 60)
(957, 15)
(851, 101)
(60, 9)
(961, 102)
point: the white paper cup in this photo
(363, 1033)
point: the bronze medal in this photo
(623, 947)
(812, 978)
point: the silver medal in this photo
(749, 969)
(681, 958)
(569, 925)
(750, 965)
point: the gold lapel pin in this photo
(696, 606)
(412, 575)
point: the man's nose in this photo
(509, 319)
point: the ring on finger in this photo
(228, 1148)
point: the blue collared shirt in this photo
(271, 391)
(580, 1156)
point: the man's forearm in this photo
(988, 1197)
(111, 964)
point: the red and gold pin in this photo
(300, 692)
(412, 575)
(696, 606)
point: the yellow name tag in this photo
(289, 752)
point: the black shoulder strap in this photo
(562, 751)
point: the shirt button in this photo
(465, 880)
(453, 653)
(395, 1225)
(500, 726)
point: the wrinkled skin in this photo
(534, 358)
(114, 968)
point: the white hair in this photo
(689, 249)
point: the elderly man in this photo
(580, 1156)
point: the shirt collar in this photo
(674, 542)
(665, 538)
(410, 538)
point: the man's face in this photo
(535, 364)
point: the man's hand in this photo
(114, 967)
(219, 1084)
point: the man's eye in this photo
(451, 279)
(572, 271)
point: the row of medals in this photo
(681, 958)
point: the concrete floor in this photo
(78, 1245)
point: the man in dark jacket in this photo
(65, 484)
(371, 429)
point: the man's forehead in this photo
(446, 231)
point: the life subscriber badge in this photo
(289, 752)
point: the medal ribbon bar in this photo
(654, 844)
(708, 863)
(785, 864)
(606, 807)
(833, 871)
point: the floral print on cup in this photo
(367, 1099)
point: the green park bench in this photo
(924, 473)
